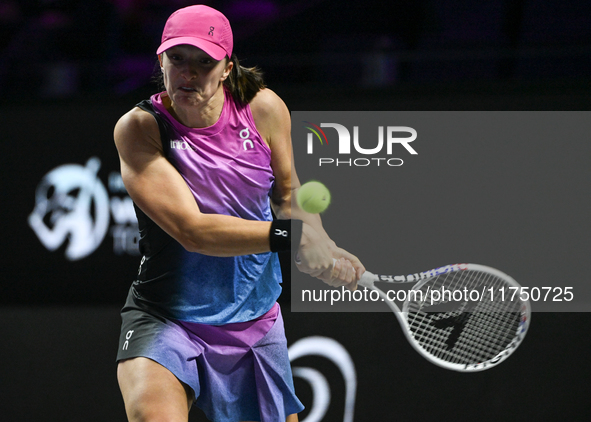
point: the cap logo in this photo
(211, 28)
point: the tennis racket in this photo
(463, 317)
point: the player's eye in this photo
(173, 55)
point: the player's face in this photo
(191, 76)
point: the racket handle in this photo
(367, 279)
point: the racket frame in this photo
(368, 280)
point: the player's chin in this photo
(186, 98)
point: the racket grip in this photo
(367, 280)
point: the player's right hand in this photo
(316, 257)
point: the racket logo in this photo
(456, 322)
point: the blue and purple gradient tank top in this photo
(227, 166)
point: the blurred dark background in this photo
(69, 69)
(104, 49)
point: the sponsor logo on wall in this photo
(334, 351)
(73, 207)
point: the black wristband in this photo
(283, 232)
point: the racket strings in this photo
(468, 331)
(470, 346)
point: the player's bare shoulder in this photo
(135, 129)
(270, 114)
(266, 102)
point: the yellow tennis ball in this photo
(313, 197)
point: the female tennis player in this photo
(204, 161)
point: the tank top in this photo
(227, 167)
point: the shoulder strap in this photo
(165, 127)
(158, 238)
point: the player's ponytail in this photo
(243, 82)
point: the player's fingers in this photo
(352, 286)
(340, 269)
(343, 274)
(347, 273)
(326, 272)
(337, 269)
(359, 268)
(315, 267)
(313, 272)
(351, 277)
(331, 275)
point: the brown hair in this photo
(244, 82)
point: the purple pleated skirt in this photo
(239, 371)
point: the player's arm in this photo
(273, 122)
(161, 192)
(316, 222)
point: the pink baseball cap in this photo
(199, 26)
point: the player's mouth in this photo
(187, 89)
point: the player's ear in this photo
(227, 70)
(160, 60)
